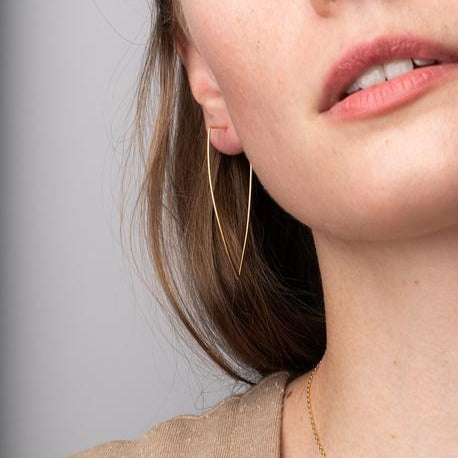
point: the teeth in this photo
(379, 73)
(353, 88)
(397, 68)
(421, 62)
(375, 75)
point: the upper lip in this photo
(360, 58)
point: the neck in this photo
(387, 382)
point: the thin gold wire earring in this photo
(237, 272)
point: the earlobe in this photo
(207, 93)
(225, 140)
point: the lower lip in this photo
(391, 94)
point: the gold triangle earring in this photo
(236, 271)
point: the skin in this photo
(381, 197)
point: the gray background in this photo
(86, 355)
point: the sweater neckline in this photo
(257, 427)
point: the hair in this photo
(272, 317)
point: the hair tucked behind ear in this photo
(272, 317)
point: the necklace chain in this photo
(309, 407)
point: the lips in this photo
(380, 50)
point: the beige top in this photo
(244, 425)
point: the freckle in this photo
(416, 282)
(395, 362)
(393, 436)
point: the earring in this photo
(237, 272)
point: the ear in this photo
(207, 93)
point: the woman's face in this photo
(387, 176)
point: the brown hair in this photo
(272, 317)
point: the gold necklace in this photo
(309, 407)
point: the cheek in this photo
(259, 52)
(270, 89)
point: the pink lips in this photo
(389, 94)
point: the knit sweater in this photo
(244, 425)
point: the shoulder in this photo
(241, 422)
